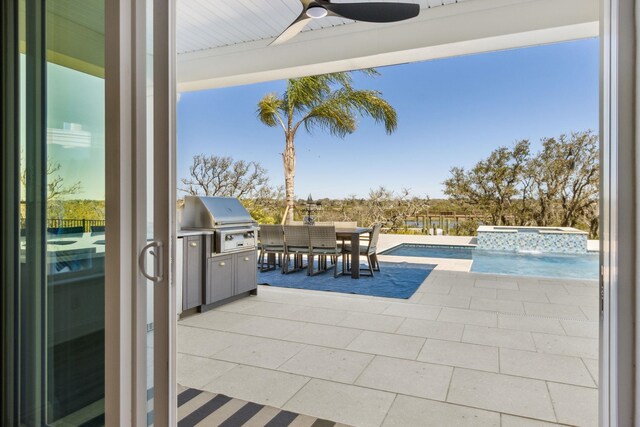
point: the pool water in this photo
(431, 251)
(565, 266)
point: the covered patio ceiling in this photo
(226, 42)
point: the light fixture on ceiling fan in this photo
(365, 12)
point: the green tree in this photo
(493, 183)
(327, 102)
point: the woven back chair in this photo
(322, 243)
(345, 224)
(296, 244)
(271, 246)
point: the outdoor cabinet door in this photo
(246, 271)
(220, 274)
(194, 260)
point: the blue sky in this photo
(451, 112)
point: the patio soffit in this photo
(226, 42)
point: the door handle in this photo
(142, 261)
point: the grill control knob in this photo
(228, 237)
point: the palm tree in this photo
(328, 102)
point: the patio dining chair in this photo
(296, 245)
(271, 246)
(369, 251)
(322, 243)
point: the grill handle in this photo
(142, 261)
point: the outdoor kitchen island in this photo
(216, 255)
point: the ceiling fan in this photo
(366, 12)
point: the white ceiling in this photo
(207, 24)
(230, 45)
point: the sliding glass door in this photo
(87, 196)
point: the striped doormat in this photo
(196, 407)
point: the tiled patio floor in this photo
(466, 349)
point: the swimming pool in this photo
(565, 266)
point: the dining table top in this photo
(353, 230)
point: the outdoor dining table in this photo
(353, 236)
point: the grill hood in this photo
(214, 212)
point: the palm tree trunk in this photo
(289, 160)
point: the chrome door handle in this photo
(142, 261)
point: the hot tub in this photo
(564, 240)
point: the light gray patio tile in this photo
(585, 300)
(460, 281)
(202, 342)
(343, 403)
(468, 317)
(549, 288)
(327, 363)
(554, 310)
(416, 311)
(266, 327)
(325, 316)
(531, 324)
(502, 393)
(271, 309)
(530, 296)
(501, 306)
(460, 354)
(196, 372)
(435, 288)
(217, 320)
(513, 421)
(260, 352)
(431, 329)
(372, 322)
(324, 335)
(407, 377)
(591, 312)
(567, 346)
(413, 411)
(575, 405)
(592, 366)
(387, 344)
(238, 305)
(497, 284)
(257, 385)
(471, 291)
(445, 300)
(577, 328)
(416, 297)
(551, 367)
(498, 337)
(583, 290)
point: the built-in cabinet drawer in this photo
(246, 271)
(220, 278)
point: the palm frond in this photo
(268, 110)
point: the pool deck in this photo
(466, 349)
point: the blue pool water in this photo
(431, 251)
(566, 266)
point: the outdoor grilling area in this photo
(216, 253)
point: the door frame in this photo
(618, 381)
(617, 275)
(126, 392)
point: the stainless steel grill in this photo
(234, 228)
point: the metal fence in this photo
(58, 225)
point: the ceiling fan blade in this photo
(293, 29)
(373, 12)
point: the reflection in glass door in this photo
(56, 284)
